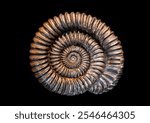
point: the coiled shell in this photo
(74, 53)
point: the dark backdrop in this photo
(125, 19)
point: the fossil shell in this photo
(74, 53)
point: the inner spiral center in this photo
(73, 57)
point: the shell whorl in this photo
(74, 53)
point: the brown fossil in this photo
(74, 53)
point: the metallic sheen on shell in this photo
(74, 53)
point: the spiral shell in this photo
(74, 53)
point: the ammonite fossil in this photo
(74, 53)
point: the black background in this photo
(125, 19)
